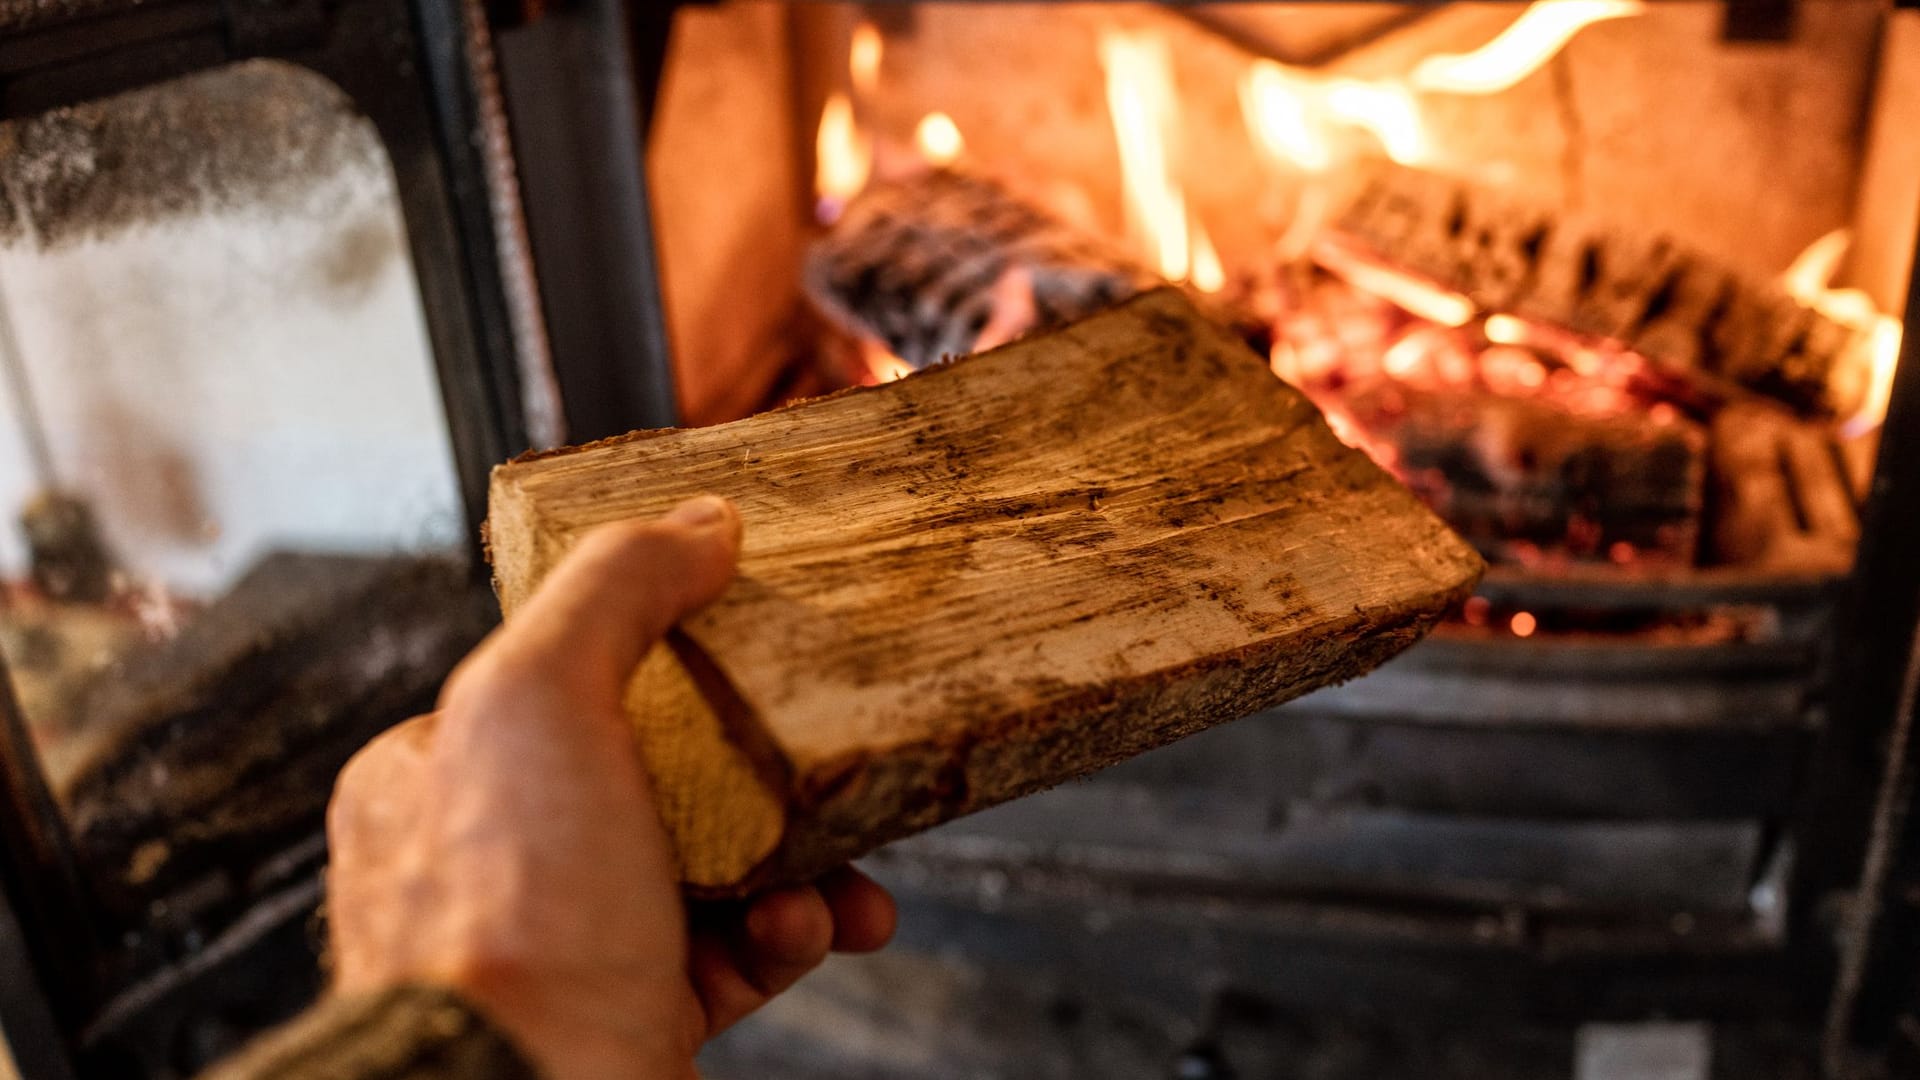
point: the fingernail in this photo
(700, 512)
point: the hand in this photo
(507, 846)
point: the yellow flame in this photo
(1140, 97)
(1883, 355)
(1386, 109)
(1814, 268)
(1878, 350)
(938, 138)
(1279, 108)
(1208, 275)
(843, 156)
(863, 58)
(1521, 49)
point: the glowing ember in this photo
(1869, 376)
(1506, 330)
(1521, 49)
(1426, 299)
(843, 156)
(863, 58)
(1013, 312)
(1474, 612)
(938, 138)
(1279, 107)
(1523, 624)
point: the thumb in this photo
(618, 592)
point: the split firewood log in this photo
(1696, 318)
(987, 578)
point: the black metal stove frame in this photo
(423, 72)
(579, 80)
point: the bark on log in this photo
(988, 578)
(1674, 306)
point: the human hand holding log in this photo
(507, 846)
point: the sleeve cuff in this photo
(407, 1033)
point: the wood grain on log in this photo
(1673, 305)
(989, 578)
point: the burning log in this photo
(925, 263)
(1517, 475)
(989, 578)
(1783, 499)
(1676, 307)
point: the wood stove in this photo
(1585, 302)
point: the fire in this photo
(938, 138)
(1430, 301)
(1386, 109)
(1280, 109)
(1521, 49)
(1208, 275)
(1141, 100)
(1293, 114)
(1808, 280)
(843, 155)
(881, 363)
(863, 58)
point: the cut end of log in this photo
(988, 578)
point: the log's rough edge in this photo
(826, 827)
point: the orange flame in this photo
(1386, 109)
(1292, 114)
(938, 138)
(863, 58)
(1141, 100)
(1867, 369)
(881, 363)
(1280, 108)
(843, 155)
(1208, 275)
(1521, 49)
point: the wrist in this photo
(573, 1029)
